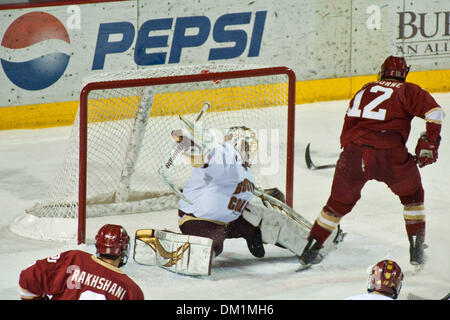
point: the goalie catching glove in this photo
(194, 140)
(202, 137)
(426, 150)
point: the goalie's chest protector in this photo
(221, 190)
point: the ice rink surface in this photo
(375, 228)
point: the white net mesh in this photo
(129, 136)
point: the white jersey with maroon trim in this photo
(220, 190)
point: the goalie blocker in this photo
(192, 255)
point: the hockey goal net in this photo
(122, 136)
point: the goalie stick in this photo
(274, 202)
(311, 165)
(412, 296)
(167, 166)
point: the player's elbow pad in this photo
(434, 122)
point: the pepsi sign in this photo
(182, 38)
(41, 71)
(38, 47)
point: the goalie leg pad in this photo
(179, 253)
(277, 228)
(286, 228)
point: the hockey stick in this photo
(412, 296)
(311, 165)
(167, 166)
(274, 202)
(305, 224)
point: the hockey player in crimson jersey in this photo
(374, 135)
(78, 275)
(384, 283)
(219, 192)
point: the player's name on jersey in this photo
(94, 281)
(391, 84)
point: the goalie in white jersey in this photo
(220, 201)
(220, 190)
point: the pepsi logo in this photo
(36, 51)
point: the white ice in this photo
(375, 228)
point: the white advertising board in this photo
(46, 51)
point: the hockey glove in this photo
(203, 137)
(426, 151)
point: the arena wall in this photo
(333, 46)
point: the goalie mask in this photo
(394, 68)
(244, 140)
(386, 277)
(113, 240)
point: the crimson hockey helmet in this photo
(394, 68)
(113, 240)
(244, 140)
(386, 277)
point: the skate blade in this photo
(418, 267)
(303, 267)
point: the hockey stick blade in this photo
(311, 165)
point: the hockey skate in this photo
(416, 251)
(255, 245)
(310, 255)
